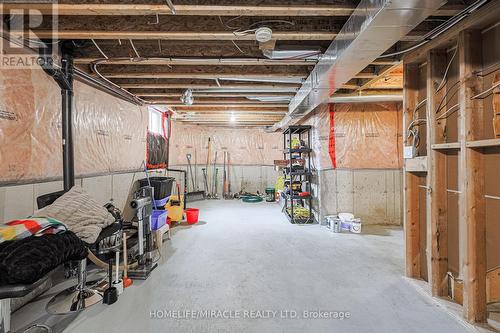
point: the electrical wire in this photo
(135, 50)
(237, 47)
(100, 50)
(228, 21)
(487, 92)
(299, 56)
(448, 112)
(434, 33)
(93, 67)
(443, 81)
(440, 105)
(171, 6)
(279, 22)
(410, 133)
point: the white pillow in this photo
(82, 214)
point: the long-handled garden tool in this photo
(214, 178)
(205, 181)
(208, 167)
(194, 195)
(224, 184)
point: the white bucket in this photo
(355, 226)
(346, 217)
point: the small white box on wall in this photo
(410, 152)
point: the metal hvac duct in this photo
(373, 27)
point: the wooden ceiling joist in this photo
(204, 76)
(260, 87)
(215, 61)
(237, 112)
(380, 75)
(247, 116)
(370, 92)
(200, 62)
(216, 95)
(228, 122)
(222, 101)
(183, 10)
(197, 10)
(172, 35)
(221, 105)
(226, 108)
(221, 76)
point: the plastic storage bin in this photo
(162, 186)
(160, 204)
(158, 219)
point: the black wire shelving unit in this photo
(294, 173)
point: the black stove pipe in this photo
(67, 124)
(64, 78)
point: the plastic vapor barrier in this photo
(368, 135)
(109, 134)
(363, 135)
(245, 146)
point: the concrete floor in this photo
(247, 257)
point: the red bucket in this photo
(192, 215)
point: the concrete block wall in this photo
(19, 201)
(374, 195)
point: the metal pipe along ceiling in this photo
(373, 27)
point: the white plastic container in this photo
(346, 217)
(355, 226)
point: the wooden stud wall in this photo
(437, 203)
(455, 151)
(411, 180)
(471, 169)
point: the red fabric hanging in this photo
(331, 143)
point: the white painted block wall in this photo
(19, 201)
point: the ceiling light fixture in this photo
(187, 97)
(263, 34)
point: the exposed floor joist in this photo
(157, 56)
(223, 105)
(168, 35)
(189, 35)
(277, 77)
(255, 87)
(227, 107)
(205, 76)
(385, 71)
(208, 101)
(199, 61)
(214, 61)
(200, 10)
(216, 95)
